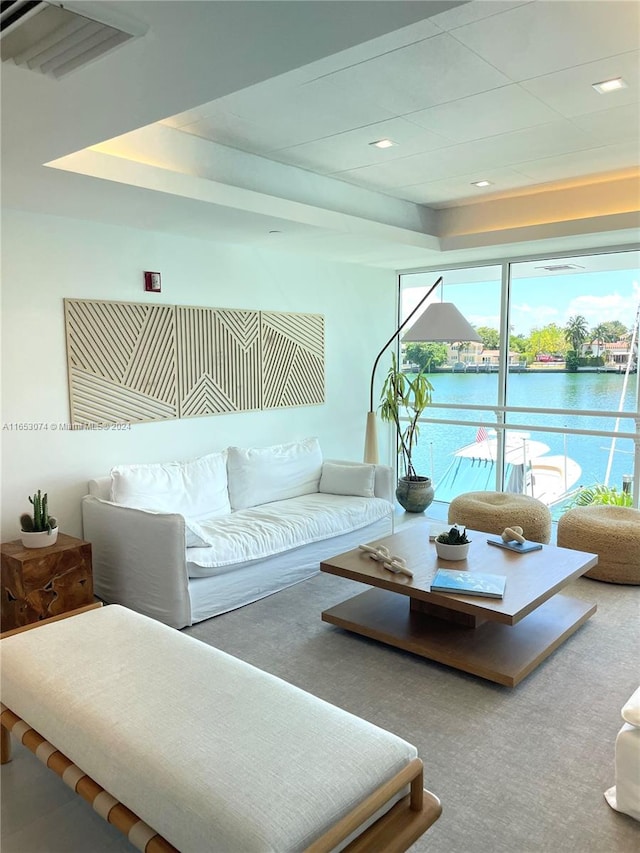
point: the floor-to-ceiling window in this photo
(548, 402)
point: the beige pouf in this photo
(611, 532)
(491, 512)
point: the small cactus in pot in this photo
(40, 529)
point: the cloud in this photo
(524, 317)
(490, 320)
(609, 306)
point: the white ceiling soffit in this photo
(492, 91)
(53, 39)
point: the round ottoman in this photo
(611, 532)
(491, 512)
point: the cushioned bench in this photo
(185, 747)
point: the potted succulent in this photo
(404, 396)
(453, 544)
(40, 529)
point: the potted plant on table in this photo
(453, 544)
(40, 529)
(404, 396)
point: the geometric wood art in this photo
(292, 359)
(218, 361)
(121, 360)
(130, 362)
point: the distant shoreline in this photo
(515, 368)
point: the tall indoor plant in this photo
(402, 396)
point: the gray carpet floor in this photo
(518, 770)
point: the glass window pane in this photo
(572, 346)
(576, 321)
(461, 372)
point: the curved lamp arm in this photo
(395, 334)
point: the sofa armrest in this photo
(139, 559)
(100, 487)
(383, 486)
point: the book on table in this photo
(469, 583)
(516, 547)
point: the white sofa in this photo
(184, 541)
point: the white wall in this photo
(46, 259)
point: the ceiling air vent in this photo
(54, 39)
(559, 267)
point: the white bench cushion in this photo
(208, 750)
(260, 532)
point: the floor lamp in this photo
(441, 322)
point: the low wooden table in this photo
(501, 640)
(41, 582)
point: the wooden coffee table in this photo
(501, 640)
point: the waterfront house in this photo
(618, 353)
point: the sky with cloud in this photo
(536, 302)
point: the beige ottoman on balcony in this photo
(491, 512)
(611, 532)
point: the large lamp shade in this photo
(441, 321)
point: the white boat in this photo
(528, 469)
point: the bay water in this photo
(539, 390)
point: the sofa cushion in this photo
(259, 475)
(262, 531)
(196, 488)
(338, 479)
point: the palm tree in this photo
(576, 332)
(599, 334)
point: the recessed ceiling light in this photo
(607, 86)
(481, 184)
(384, 143)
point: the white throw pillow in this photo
(196, 488)
(260, 475)
(355, 480)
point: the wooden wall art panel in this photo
(121, 360)
(130, 362)
(292, 359)
(218, 361)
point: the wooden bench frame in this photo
(394, 832)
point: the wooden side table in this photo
(42, 582)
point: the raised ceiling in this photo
(297, 91)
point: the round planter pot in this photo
(414, 495)
(41, 539)
(452, 552)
